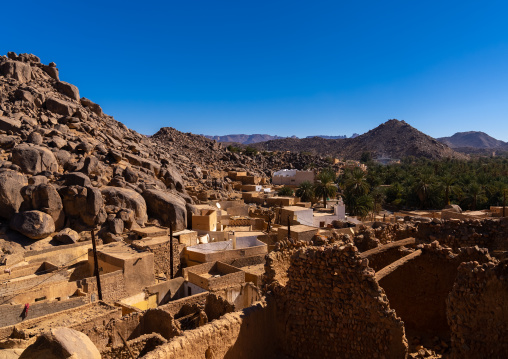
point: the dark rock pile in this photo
(65, 165)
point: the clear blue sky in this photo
(277, 67)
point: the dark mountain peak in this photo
(393, 138)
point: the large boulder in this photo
(11, 198)
(68, 90)
(33, 224)
(84, 203)
(168, 208)
(77, 179)
(60, 107)
(34, 159)
(61, 343)
(67, 236)
(45, 198)
(92, 106)
(16, 70)
(10, 124)
(126, 198)
(172, 178)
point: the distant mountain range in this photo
(393, 139)
(256, 138)
(474, 139)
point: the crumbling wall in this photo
(248, 334)
(139, 347)
(380, 260)
(477, 311)
(418, 289)
(174, 307)
(278, 262)
(390, 232)
(104, 332)
(332, 304)
(217, 306)
(486, 233)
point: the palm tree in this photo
(361, 206)
(475, 194)
(356, 183)
(325, 186)
(423, 189)
(447, 182)
(378, 197)
(285, 191)
(306, 191)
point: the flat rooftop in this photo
(241, 243)
(120, 251)
(296, 208)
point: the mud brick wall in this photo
(247, 334)
(162, 263)
(139, 347)
(486, 233)
(174, 306)
(112, 285)
(12, 314)
(332, 304)
(418, 289)
(389, 232)
(278, 262)
(104, 331)
(478, 311)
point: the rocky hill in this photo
(194, 153)
(66, 166)
(394, 139)
(474, 139)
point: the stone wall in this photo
(478, 311)
(418, 289)
(112, 285)
(162, 263)
(13, 314)
(332, 304)
(486, 233)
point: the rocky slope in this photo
(66, 166)
(193, 154)
(474, 139)
(394, 139)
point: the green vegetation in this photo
(306, 192)
(356, 193)
(285, 191)
(233, 149)
(427, 184)
(251, 151)
(325, 187)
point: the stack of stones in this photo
(332, 304)
(486, 233)
(477, 311)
